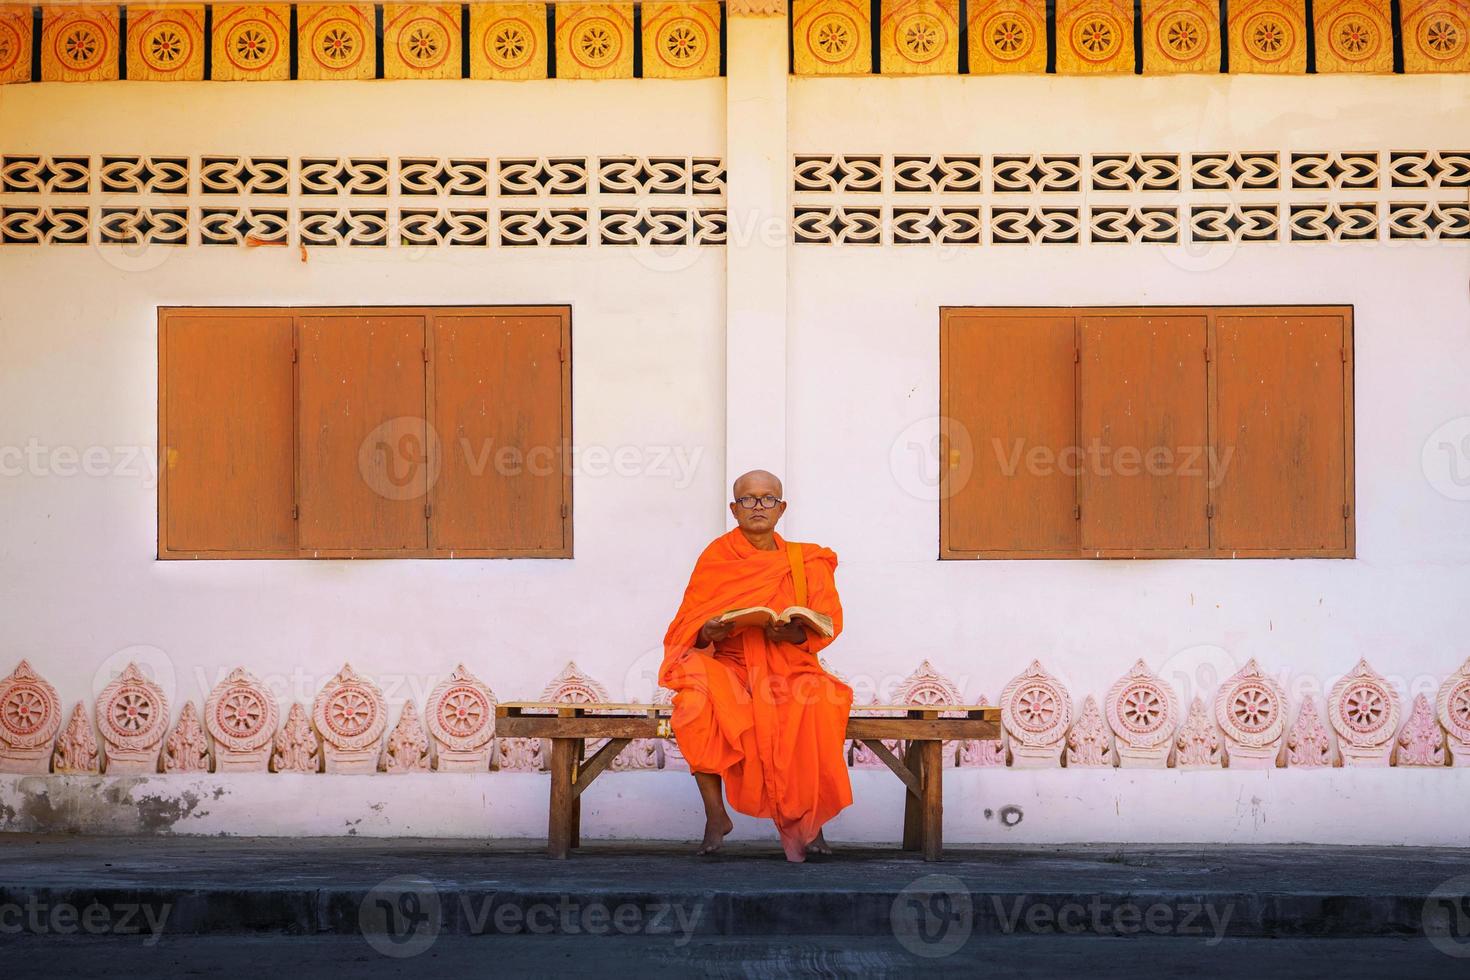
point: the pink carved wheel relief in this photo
(131, 712)
(350, 712)
(1364, 707)
(24, 711)
(241, 713)
(1142, 709)
(463, 711)
(1253, 708)
(1036, 707)
(1460, 705)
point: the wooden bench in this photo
(568, 727)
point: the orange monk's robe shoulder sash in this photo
(798, 570)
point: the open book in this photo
(761, 615)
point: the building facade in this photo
(757, 223)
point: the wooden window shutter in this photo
(226, 410)
(363, 447)
(1008, 398)
(1143, 427)
(501, 401)
(1283, 389)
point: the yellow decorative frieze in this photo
(508, 40)
(251, 43)
(1181, 36)
(1267, 37)
(1094, 37)
(421, 40)
(335, 41)
(1354, 35)
(681, 40)
(920, 37)
(1008, 36)
(15, 43)
(79, 44)
(166, 44)
(1436, 35)
(831, 37)
(594, 40)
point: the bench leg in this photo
(933, 782)
(579, 754)
(559, 822)
(913, 813)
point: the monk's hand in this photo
(789, 633)
(713, 631)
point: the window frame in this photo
(1210, 313)
(561, 310)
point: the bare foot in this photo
(715, 829)
(795, 853)
(820, 845)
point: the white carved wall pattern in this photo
(1244, 723)
(1214, 197)
(362, 202)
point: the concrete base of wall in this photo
(983, 806)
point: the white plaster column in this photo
(755, 256)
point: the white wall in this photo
(81, 593)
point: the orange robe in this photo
(764, 716)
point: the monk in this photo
(753, 708)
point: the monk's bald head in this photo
(757, 482)
(758, 506)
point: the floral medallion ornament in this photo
(508, 40)
(1009, 37)
(350, 714)
(241, 716)
(1143, 713)
(30, 717)
(1036, 711)
(1307, 746)
(336, 41)
(597, 43)
(1267, 36)
(79, 43)
(251, 43)
(1180, 36)
(1421, 743)
(1441, 37)
(1250, 709)
(10, 48)
(166, 44)
(187, 748)
(296, 747)
(1364, 711)
(1354, 35)
(1089, 746)
(682, 43)
(1198, 743)
(1096, 38)
(461, 718)
(832, 37)
(1453, 709)
(421, 41)
(681, 40)
(132, 713)
(76, 749)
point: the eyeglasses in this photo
(765, 503)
